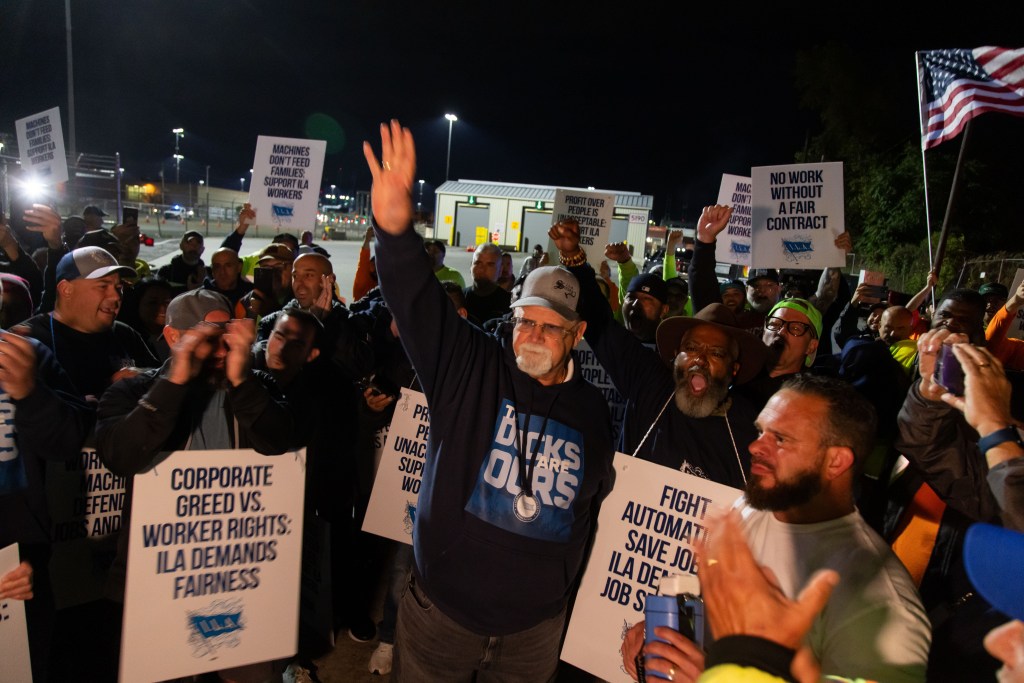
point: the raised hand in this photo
(17, 365)
(618, 252)
(44, 220)
(712, 221)
(742, 598)
(239, 336)
(566, 236)
(393, 177)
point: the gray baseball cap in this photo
(89, 263)
(552, 287)
(191, 308)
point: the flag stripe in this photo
(959, 84)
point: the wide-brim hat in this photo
(753, 352)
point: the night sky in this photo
(627, 96)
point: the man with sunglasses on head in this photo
(518, 459)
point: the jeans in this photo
(398, 578)
(432, 647)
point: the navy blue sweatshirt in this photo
(480, 563)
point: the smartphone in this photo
(948, 371)
(129, 216)
(29, 240)
(263, 279)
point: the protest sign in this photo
(647, 528)
(213, 563)
(14, 652)
(594, 211)
(85, 501)
(285, 187)
(391, 510)
(733, 243)
(41, 143)
(594, 372)
(797, 215)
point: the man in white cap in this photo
(82, 331)
(518, 459)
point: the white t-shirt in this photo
(874, 625)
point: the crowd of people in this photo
(855, 454)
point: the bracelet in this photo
(1000, 436)
(577, 259)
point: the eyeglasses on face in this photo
(527, 326)
(793, 327)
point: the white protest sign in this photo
(391, 510)
(648, 526)
(594, 211)
(85, 501)
(285, 186)
(213, 563)
(1016, 330)
(14, 653)
(594, 372)
(41, 142)
(733, 244)
(797, 215)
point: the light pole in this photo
(452, 118)
(207, 200)
(241, 184)
(419, 202)
(332, 191)
(179, 133)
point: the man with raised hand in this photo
(518, 459)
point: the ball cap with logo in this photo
(649, 283)
(191, 308)
(90, 263)
(552, 287)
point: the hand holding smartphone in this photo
(948, 372)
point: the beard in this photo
(784, 495)
(699, 406)
(535, 360)
(762, 306)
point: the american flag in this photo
(957, 85)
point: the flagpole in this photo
(940, 250)
(924, 166)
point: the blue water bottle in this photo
(660, 610)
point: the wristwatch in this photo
(990, 441)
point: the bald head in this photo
(310, 274)
(896, 324)
(225, 266)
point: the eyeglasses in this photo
(527, 326)
(793, 327)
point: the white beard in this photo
(535, 360)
